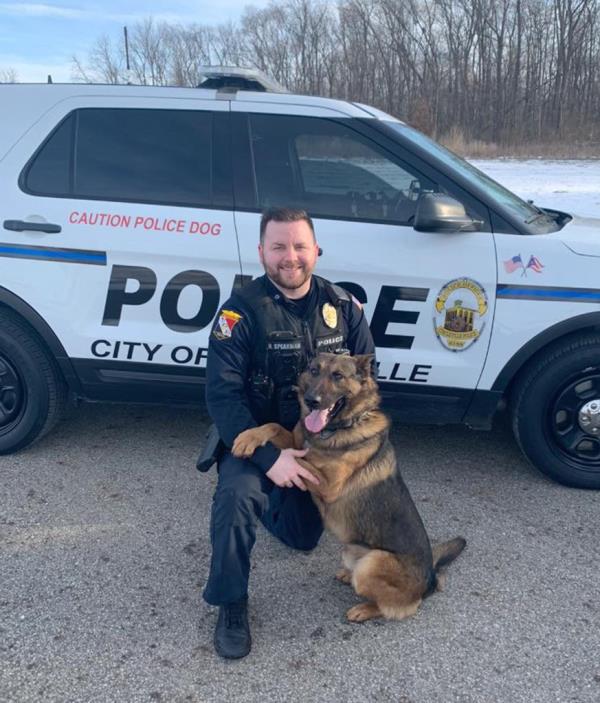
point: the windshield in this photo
(526, 212)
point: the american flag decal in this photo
(511, 265)
(516, 263)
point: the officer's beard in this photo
(284, 281)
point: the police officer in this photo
(262, 339)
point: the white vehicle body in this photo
(118, 273)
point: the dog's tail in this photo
(446, 552)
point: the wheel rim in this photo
(573, 420)
(12, 396)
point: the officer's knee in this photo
(305, 545)
(303, 540)
(307, 541)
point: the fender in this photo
(535, 344)
(43, 330)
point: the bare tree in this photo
(498, 70)
(105, 64)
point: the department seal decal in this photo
(329, 315)
(460, 308)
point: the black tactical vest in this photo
(284, 344)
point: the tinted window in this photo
(129, 154)
(161, 155)
(49, 172)
(330, 170)
(524, 210)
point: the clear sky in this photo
(40, 38)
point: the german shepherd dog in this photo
(387, 556)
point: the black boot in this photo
(232, 633)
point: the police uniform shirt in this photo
(230, 359)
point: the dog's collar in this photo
(330, 430)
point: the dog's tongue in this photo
(316, 420)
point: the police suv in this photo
(128, 214)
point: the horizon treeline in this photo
(502, 71)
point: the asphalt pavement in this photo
(104, 551)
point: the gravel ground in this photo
(104, 551)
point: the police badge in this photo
(329, 315)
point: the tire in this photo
(33, 393)
(555, 411)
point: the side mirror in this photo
(437, 212)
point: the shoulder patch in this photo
(228, 319)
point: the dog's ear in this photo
(364, 364)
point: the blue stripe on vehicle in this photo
(571, 295)
(69, 256)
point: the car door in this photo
(134, 242)
(429, 297)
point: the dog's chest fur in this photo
(335, 518)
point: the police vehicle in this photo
(128, 214)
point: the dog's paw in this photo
(344, 575)
(245, 444)
(362, 612)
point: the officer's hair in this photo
(284, 214)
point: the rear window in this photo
(49, 174)
(161, 156)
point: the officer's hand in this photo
(287, 472)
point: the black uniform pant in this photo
(243, 496)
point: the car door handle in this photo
(22, 226)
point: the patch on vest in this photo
(330, 341)
(225, 324)
(329, 315)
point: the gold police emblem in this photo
(460, 308)
(329, 315)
